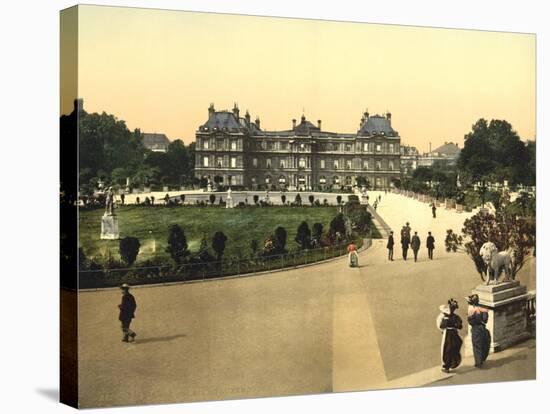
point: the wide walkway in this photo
(316, 329)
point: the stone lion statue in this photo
(497, 261)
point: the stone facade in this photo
(233, 151)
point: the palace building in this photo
(234, 151)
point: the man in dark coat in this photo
(390, 246)
(430, 244)
(405, 241)
(415, 245)
(127, 309)
(433, 209)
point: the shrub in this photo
(303, 236)
(339, 199)
(311, 199)
(129, 249)
(283, 199)
(255, 198)
(177, 244)
(182, 198)
(212, 199)
(316, 233)
(298, 200)
(338, 225)
(280, 239)
(218, 244)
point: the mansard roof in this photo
(376, 125)
(221, 120)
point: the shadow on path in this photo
(50, 393)
(159, 339)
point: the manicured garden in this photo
(241, 225)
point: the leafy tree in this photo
(177, 244)
(494, 151)
(279, 237)
(129, 249)
(218, 244)
(303, 236)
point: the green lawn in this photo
(240, 225)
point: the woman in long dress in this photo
(481, 337)
(450, 323)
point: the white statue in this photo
(496, 261)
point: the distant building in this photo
(156, 142)
(409, 159)
(232, 150)
(446, 154)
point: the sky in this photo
(159, 71)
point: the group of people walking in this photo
(449, 323)
(410, 242)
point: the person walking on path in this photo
(450, 323)
(122, 197)
(434, 208)
(390, 246)
(405, 241)
(481, 337)
(127, 309)
(353, 257)
(430, 244)
(415, 245)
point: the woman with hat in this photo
(481, 337)
(449, 323)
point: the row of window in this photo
(336, 180)
(235, 145)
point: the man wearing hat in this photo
(127, 308)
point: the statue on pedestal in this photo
(109, 221)
(109, 202)
(229, 200)
(496, 262)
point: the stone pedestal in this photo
(507, 306)
(229, 202)
(459, 208)
(109, 227)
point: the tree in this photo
(494, 151)
(255, 198)
(303, 236)
(218, 244)
(311, 199)
(298, 199)
(177, 244)
(283, 199)
(316, 233)
(279, 237)
(337, 225)
(129, 249)
(339, 199)
(212, 199)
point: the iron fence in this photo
(193, 271)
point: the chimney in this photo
(293, 124)
(247, 117)
(366, 114)
(235, 110)
(211, 110)
(388, 117)
(319, 124)
(257, 122)
(430, 147)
